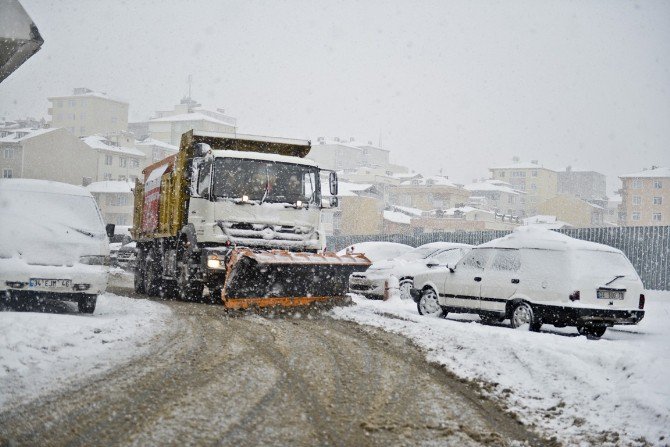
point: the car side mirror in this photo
(452, 268)
(109, 228)
(332, 181)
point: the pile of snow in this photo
(613, 391)
(43, 351)
(377, 251)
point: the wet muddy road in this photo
(213, 379)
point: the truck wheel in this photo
(152, 274)
(140, 268)
(86, 303)
(188, 288)
(168, 289)
(523, 314)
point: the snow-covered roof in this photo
(195, 116)
(521, 165)
(397, 217)
(541, 238)
(22, 134)
(435, 180)
(336, 143)
(110, 186)
(89, 93)
(158, 143)
(45, 186)
(408, 210)
(649, 173)
(489, 186)
(546, 221)
(462, 209)
(102, 143)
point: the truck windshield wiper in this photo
(615, 278)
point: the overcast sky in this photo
(452, 85)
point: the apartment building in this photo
(576, 212)
(168, 126)
(461, 218)
(359, 210)
(645, 197)
(349, 155)
(114, 162)
(495, 195)
(115, 199)
(155, 150)
(428, 193)
(47, 154)
(537, 182)
(87, 112)
(590, 186)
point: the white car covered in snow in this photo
(536, 276)
(372, 282)
(52, 243)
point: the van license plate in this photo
(610, 294)
(51, 283)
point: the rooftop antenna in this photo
(190, 81)
(380, 138)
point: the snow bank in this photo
(585, 392)
(42, 351)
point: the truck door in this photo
(500, 279)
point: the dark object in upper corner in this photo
(19, 37)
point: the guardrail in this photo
(648, 248)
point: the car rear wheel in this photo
(522, 315)
(591, 332)
(86, 304)
(405, 286)
(429, 305)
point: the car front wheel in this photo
(405, 286)
(429, 305)
(522, 315)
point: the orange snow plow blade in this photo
(285, 279)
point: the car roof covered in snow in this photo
(444, 245)
(45, 186)
(541, 238)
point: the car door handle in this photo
(478, 278)
(515, 281)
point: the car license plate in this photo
(51, 283)
(610, 294)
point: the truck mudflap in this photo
(286, 279)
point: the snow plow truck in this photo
(240, 215)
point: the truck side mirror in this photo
(332, 180)
(195, 171)
(109, 228)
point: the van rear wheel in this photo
(591, 332)
(522, 315)
(86, 304)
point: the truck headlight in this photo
(214, 262)
(94, 260)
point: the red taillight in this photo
(574, 296)
(641, 305)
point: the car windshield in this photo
(418, 253)
(265, 181)
(75, 212)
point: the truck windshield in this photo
(265, 181)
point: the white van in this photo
(536, 276)
(52, 243)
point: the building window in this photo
(637, 184)
(658, 184)
(107, 176)
(636, 216)
(134, 163)
(108, 160)
(9, 153)
(656, 217)
(7, 173)
(533, 173)
(157, 155)
(502, 174)
(72, 102)
(658, 200)
(123, 162)
(533, 187)
(637, 200)
(59, 103)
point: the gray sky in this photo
(457, 85)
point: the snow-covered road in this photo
(612, 391)
(42, 351)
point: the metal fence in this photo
(648, 248)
